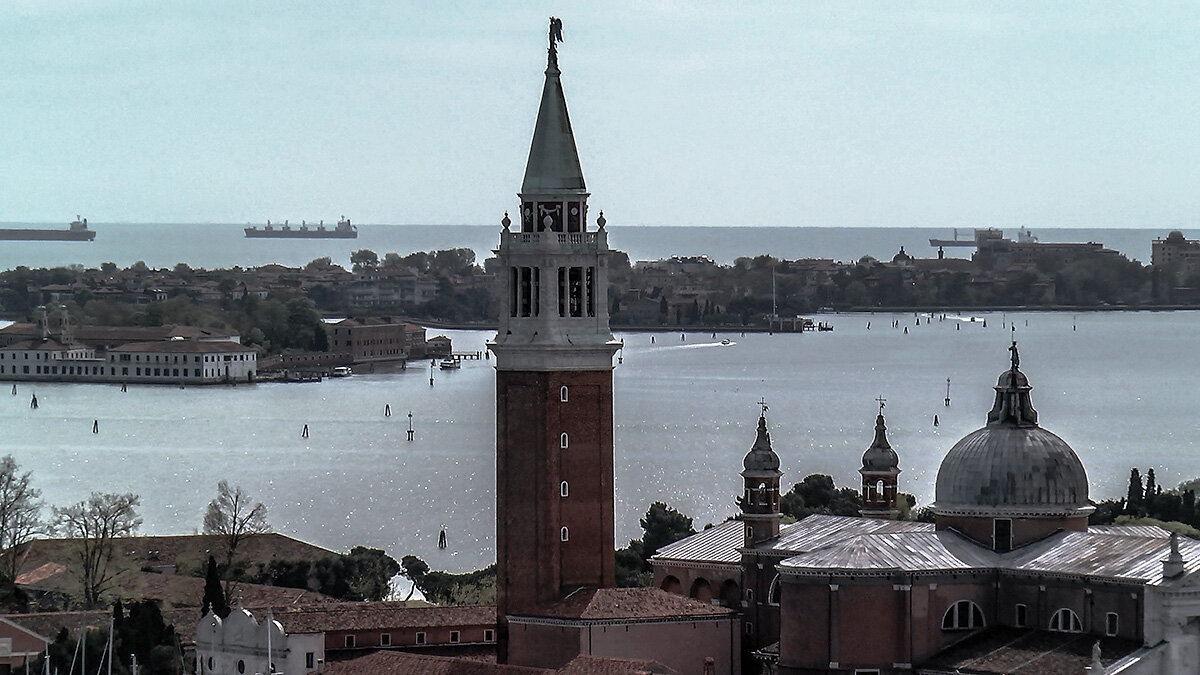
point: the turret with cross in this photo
(760, 477)
(880, 472)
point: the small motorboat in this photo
(341, 371)
(450, 363)
(726, 342)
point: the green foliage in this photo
(364, 574)
(443, 588)
(141, 633)
(364, 259)
(818, 494)
(214, 595)
(662, 525)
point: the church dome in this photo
(761, 457)
(1012, 466)
(880, 456)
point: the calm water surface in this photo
(1119, 388)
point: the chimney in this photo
(1173, 565)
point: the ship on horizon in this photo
(344, 230)
(1024, 236)
(77, 231)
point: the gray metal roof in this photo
(818, 531)
(908, 551)
(717, 544)
(1133, 553)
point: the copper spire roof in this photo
(553, 166)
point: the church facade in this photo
(1009, 578)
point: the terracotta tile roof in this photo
(358, 616)
(592, 665)
(598, 604)
(1023, 652)
(184, 347)
(401, 663)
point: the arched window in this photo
(562, 440)
(241, 666)
(773, 593)
(1066, 621)
(563, 489)
(562, 394)
(564, 535)
(963, 615)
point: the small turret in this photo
(760, 476)
(880, 474)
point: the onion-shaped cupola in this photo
(760, 478)
(880, 474)
(1011, 482)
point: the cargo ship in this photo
(78, 231)
(986, 235)
(344, 230)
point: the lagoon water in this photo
(1119, 387)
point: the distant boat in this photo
(344, 230)
(726, 341)
(341, 371)
(1024, 236)
(78, 231)
(450, 363)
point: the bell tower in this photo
(880, 474)
(760, 478)
(554, 395)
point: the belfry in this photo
(554, 393)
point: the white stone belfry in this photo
(554, 313)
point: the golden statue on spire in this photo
(555, 38)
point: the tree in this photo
(364, 258)
(1134, 499)
(94, 524)
(662, 525)
(20, 514)
(319, 264)
(233, 518)
(214, 596)
(369, 572)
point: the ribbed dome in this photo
(880, 456)
(761, 457)
(1029, 470)
(1012, 465)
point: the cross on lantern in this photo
(881, 400)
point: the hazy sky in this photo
(1046, 114)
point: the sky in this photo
(830, 114)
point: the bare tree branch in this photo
(94, 523)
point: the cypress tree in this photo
(1134, 500)
(214, 596)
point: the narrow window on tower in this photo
(562, 440)
(526, 292)
(537, 291)
(563, 489)
(564, 535)
(576, 287)
(562, 394)
(562, 291)
(590, 291)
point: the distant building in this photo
(302, 640)
(164, 362)
(1176, 254)
(379, 338)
